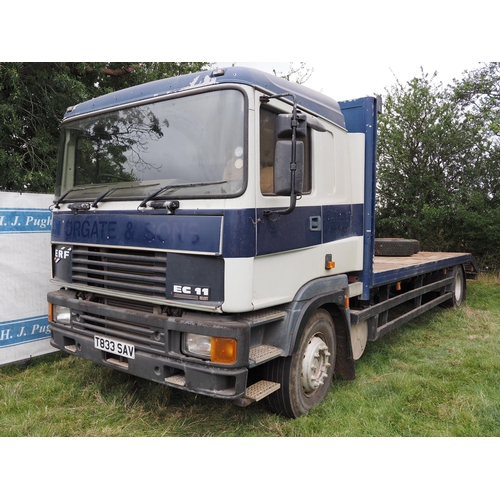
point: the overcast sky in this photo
(350, 80)
(358, 48)
(355, 47)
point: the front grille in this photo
(131, 305)
(140, 272)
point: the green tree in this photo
(438, 169)
(33, 99)
(477, 95)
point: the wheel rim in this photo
(315, 364)
(458, 288)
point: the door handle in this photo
(315, 223)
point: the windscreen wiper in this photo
(109, 191)
(175, 186)
(99, 198)
(70, 191)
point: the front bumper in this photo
(157, 341)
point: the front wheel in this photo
(306, 376)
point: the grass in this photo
(437, 376)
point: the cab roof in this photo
(307, 99)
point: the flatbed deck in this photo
(390, 269)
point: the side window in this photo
(267, 149)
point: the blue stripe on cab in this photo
(239, 233)
(245, 233)
(191, 233)
(342, 221)
(288, 232)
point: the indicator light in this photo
(223, 350)
(329, 263)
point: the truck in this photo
(215, 232)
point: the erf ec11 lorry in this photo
(215, 232)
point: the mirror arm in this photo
(293, 201)
(293, 164)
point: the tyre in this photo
(457, 287)
(396, 247)
(306, 376)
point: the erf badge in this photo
(61, 253)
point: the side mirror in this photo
(289, 155)
(284, 126)
(282, 161)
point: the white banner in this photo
(25, 270)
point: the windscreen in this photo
(195, 144)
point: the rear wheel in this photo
(306, 376)
(457, 287)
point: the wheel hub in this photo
(315, 364)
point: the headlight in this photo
(60, 314)
(197, 345)
(216, 349)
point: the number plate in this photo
(114, 347)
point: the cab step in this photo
(179, 380)
(257, 318)
(253, 393)
(262, 353)
(257, 391)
